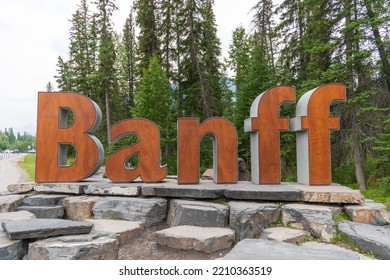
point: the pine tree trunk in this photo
(357, 155)
(108, 118)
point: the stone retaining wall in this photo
(205, 217)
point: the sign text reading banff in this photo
(312, 125)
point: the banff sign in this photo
(312, 124)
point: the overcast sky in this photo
(35, 32)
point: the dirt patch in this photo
(145, 247)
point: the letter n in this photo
(148, 149)
(313, 124)
(54, 135)
(265, 126)
(224, 136)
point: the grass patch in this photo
(28, 165)
(280, 204)
(116, 218)
(342, 216)
(345, 242)
(223, 201)
(378, 193)
(278, 223)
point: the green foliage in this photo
(338, 217)
(148, 44)
(4, 141)
(116, 218)
(127, 56)
(382, 147)
(172, 68)
(200, 90)
(279, 223)
(256, 80)
(344, 241)
(21, 142)
(310, 238)
(344, 174)
(379, 193)
(28, 165)
(154, 101)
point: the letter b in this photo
(54, 136)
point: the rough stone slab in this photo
(44, 200)
(369, 213)
(43, 228)
(330, 194)
(122, 231)
(79, 208)
(14, 216)
(369, 238)
(262, 249)
(10, 249)
(115, 189)
(208, 174)
(197, 213)
(44, 212)
(10, 203)
(148, 211)
(316, 219)
(283, 234)
(66, 188)
(21, 187)
(249, 191)
(328, 246)
(249, 219)
(74, 247)
(196, 238)
(170, 188)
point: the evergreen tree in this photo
(239, 52)
(264, 27)
(382, 146)
(148, 44)
(128, 49)
(49, 87)
(290, 33)
(200, 88)
(11, 136)
(258, 78)
(64, 78)
(82, 50)
(154, 102)
(378, 13)
(4, 141)
(154, 96)
(106, 73)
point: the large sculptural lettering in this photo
(312, 124)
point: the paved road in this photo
(10, 172)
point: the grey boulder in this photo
(375, 239)
(43, 228)
(261, 249)
(197, 213)
(249, 219)
(148, 211)
(74, 247)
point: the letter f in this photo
(265, 126)
(313, 124)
